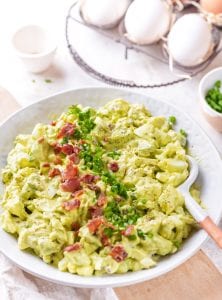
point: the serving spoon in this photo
(199, 214)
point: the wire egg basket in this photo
(150, 62)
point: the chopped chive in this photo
(114, 154)
(48, 80)
(108, 231)
(74, 110)
(172, 120)
(218, 84)
(141, 234)
(214, 96)
(183, 132)
(65, 140)
(77, 134)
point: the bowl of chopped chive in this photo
(210, 94)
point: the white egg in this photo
(103, 13)
(190, 40)
(147, 21)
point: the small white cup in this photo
(35, 46)
(213, 117)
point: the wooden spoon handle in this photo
(213, 230)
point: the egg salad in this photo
(95, 191)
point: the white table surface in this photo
(65, 74)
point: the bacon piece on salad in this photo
(72, 204)
(57, 148)
(46, 165)
(54, 172)
(95, 211)
(118, 253)
(94, 187)
(114, 167)
(53, 123)
(67, 149)
(105, 240)
(57, 160)
(74, 247)
(76, 149)
(94, 224)
(128, 231)
(74, 158)
(66, 131)
(75, 226)
(70, 172)
(102, 199)
(71, 185)
(81, 142)
(78, 193)
(88, 178)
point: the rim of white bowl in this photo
(209, 109)
(49, 51)
(203, 235)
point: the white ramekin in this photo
(35, 46)
(206, 83)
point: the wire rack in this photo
(155, 52)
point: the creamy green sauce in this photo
(94, 192)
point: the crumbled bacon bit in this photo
(57, 148)
(81, 142)
(75, 226)
(76, 149)
(46, 165)
(114, 167)
(57, 160)
(102, 199)
(70, 205)
(105, 240)
(74, 247)
(53, 123)
(77, 193)
(94, 224)
(95, 211)
(71, 185)
(40, 140)
(67, 149)
(74, 158)
(67, 130)
(93, 187)
(70, 172)
(54, 172)
(88, 178)
(118, 253)
(128, 231)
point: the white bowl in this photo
(35, 46)
(201, 148)
(212, 116)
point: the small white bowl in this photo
(213, 117)
(35, 46)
